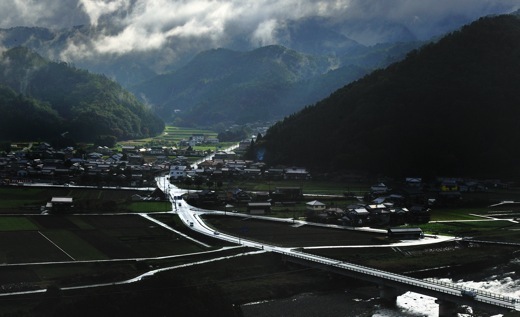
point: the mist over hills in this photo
(187, 82)
(79, 46)
(449, 108)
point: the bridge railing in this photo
(431, 284)
(476, 290)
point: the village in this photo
(215, 180)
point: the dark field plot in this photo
(286, 234)
(28, 199)
(42, 238)
(27, 247)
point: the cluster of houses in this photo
(371, 214)
(43, 164)
(409, 202)
(257, 203)
(198, 139)
(226, 164)
(389, 211)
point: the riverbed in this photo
(363, 302)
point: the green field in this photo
(173, 135)
(16, 224)
(42, 238)
(71, 238)
(150, 206)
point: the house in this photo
(449, 185)
(177, 172)
(262, 196)
(128, 149)
(405, 233)
(59, 205)
(296, 173)
(315, 206)
(240, 195)
(197, 138)
(357, 216)
(287, 194)
(274, 173)
(413, 182)
(225, 155)
(380, 188)
(259, 208)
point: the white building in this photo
(177, 172)
(315, 206)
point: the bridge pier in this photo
(447, 308)
(388, 295)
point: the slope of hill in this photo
(85, 105)
(223, 85)
(267, 83)
(26, 119)
(450, 108)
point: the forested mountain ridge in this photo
(226, 86)
(449, 108)
(85, 105)
(222, 85)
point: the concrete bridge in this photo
(449, 296)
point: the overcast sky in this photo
(133, 25)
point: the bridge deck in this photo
(487, 301)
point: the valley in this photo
(224, 158)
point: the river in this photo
(501, 279)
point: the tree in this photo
(187, 181)
(5, 147)
(198, 181)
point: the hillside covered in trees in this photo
(223, 86)
(450, 108)
(40, 99)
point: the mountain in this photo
(26, 119)
(449, 108)
(67, 99)
(103, 48)
(225, 86)
(314, 35)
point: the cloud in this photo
(45, 13)
(123, 26)
(97, 8)
(151, 24)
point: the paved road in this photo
(191, 217)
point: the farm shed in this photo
(61, 204)
(259, 208)
(405, 233)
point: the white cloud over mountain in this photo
(124, 26)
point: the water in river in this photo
(352, 303)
